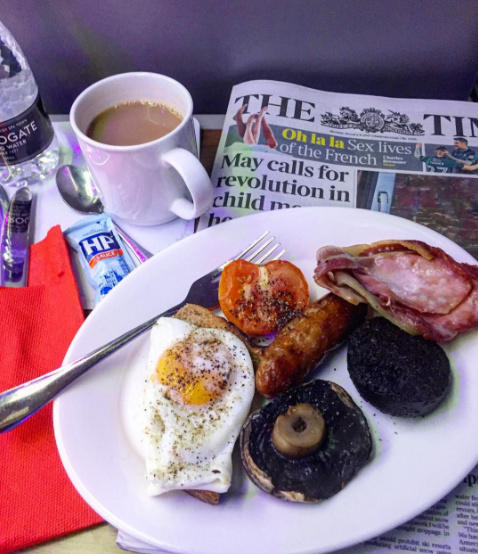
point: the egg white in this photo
(190, 446)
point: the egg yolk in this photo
(195, 371)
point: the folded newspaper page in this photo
(285, 145)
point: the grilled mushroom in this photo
(306, 444)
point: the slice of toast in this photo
(205, 496)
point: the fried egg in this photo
(197, 394)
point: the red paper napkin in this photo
(37, 324)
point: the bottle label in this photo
(23, 137)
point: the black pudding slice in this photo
(400, 374)
(346, 448)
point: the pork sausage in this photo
(300, 345)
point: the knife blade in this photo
(16, 243)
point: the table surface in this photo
(412, 201)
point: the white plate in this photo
(415, 463)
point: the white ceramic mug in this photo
(147, 183)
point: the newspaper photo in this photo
(284, 145)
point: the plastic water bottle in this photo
(28, 148)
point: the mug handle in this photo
(196, 180)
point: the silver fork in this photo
(21, 402)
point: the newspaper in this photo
(284, 145)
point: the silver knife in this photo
(16, 243)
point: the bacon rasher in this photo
(418, 287)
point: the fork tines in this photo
(255, 251)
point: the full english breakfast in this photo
(308, 440)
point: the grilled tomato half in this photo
(261, 299)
